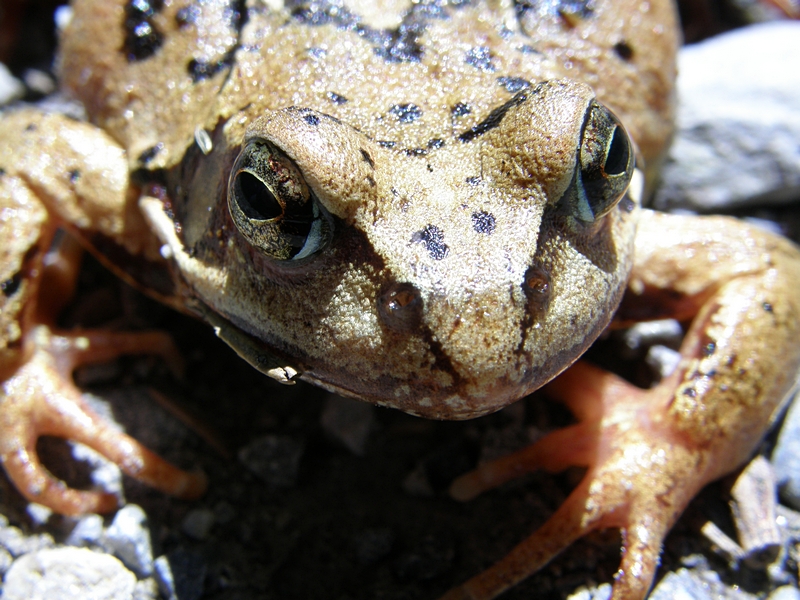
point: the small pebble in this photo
(5, 561)
(88, 531)
(681, 585)
(38, 514)
(786, 457)
(180, 575)
(348, 421)
(601, 592)
(275, 459)
(68, 574)
(372, 545)
(639, 337)
(787, 592)
(17, 543)
(128, 538)
(198, 523)
(662, 360)
(11, 88)
(146, 589)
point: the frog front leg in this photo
(55, 172)
(649, 452)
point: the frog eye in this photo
(605, 166)
(273, 207)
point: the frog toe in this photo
(41, 400)
(640, 476)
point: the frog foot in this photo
(641, 474)
(41, 399)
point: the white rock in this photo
(128, 538)
(11, 88)
(738, 121)
(67, 574)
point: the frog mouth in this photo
(248, 347)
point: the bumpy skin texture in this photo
(411, 159)
(457, 268)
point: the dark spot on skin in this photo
(406, 113)
(187, 15)
(74, 175)
(149, 154)
(387, 144)
(495, 117)
(473, 180)
(398, 45)
(480, 57)
(142, 38)
(623, 50)
(400, 307)
(514, 84)
(483, 222)
(767, 307)
(460, 109)
(30, 127)
(337, 99)
(429, 167)
(537, 289)
(371, 181)
(312, 120)
(528, 49)
(435, 143)
(200, 70)
(415, 152)
(10, 286)
(2, 171)
(235, 16)
(433, 239)
(709, 348)
(691, 392)
(365, 155)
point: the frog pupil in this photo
(618, 150)
(257, 201)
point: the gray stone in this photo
(275, 459)
(786, 457)
(601, 592)
(786, 592)
(197, 523)
(681, 585)
(348, 421)
(128, 538)
(5, 560)
(180, 575)
(11, 88)
(738, 121)
(17, 543)
(88, 531)
(67, 574)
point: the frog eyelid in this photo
(273, 207)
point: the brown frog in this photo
(432, 206)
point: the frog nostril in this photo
(536, 286)
(400, 307)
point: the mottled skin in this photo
(450, 258)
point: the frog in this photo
(431, 206)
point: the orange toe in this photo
(40, 399)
